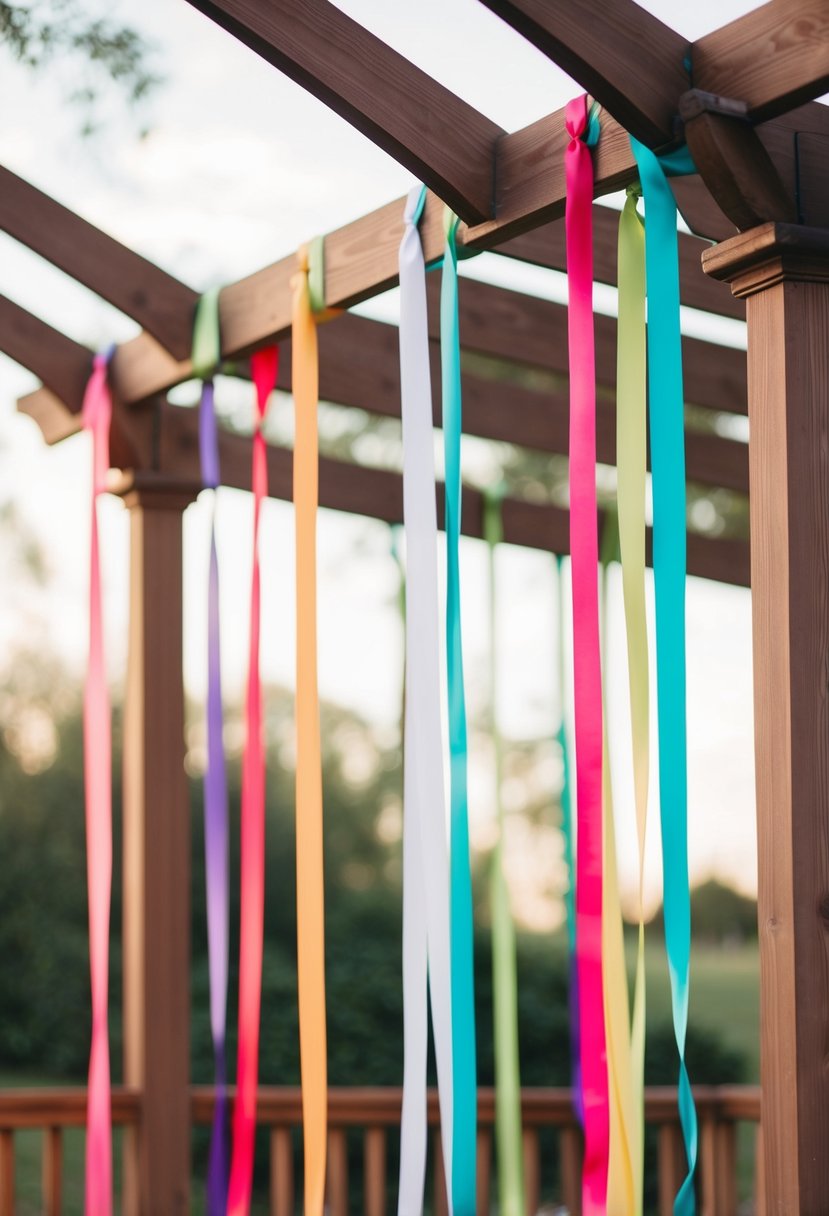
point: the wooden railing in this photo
(374, 1116)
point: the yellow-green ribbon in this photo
(504, 975)
(621, 1190)
(631, 460)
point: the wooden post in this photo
(156, 835)
(783, 271)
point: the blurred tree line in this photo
(44, 991)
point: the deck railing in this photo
(374, 1115)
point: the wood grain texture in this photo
(378, 494)
(157, 301)
(545, 246)
(442, 140)
(773, 58)
(599, 49)
(788, 370)
(156, 861)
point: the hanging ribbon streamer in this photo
(97, 414)
(465, 1100)
(584, 549)
(264, 366)
(508, 1141)
(631, 460)
(569, 862)
(667, 432)
(309, 836)
(205, 359)
(426, 931)
(621, 1187)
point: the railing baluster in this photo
(52, 1170)
(374, 1171)
(337, 1178)
(484, 1170)
(570, 1148)
(670, 1166)
(441, 1204)
(532, 1169)
(282, 1172)
(759, 1174)
(6, 1172)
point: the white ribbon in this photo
(425, 850)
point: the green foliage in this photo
(719, 915)
(43, 32)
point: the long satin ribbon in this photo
(631, 461)
(264, 365)
(586, 657)
(510, 1171)
(97, 414)
(309, 836)
(425, 854)
(667, 432)
(621, 1188)
(566, 800)
(205, 359)
(465, 1108)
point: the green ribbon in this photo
(667, 432)
(206, 355)
(316, 274)
(508, 1142)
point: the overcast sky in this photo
(240, 166)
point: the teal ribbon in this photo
(667, 434)
(465, 1104)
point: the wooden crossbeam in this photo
(513, 326)
(546, 247)
(442, 140)
(158, 302)
(773, 58)
(61, 363)
(625, 57)
(378, 494)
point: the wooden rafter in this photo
(425, 127)
(773, 58)
(599, 46)
(158, 302)
(61, 363)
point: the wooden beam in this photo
(546, 247)
(61, 363)
(627, 59)
(773, 58)
(378, 494)
(158, 302)
(536, 418)
(516, 327)
(784, 273)
(442, 140)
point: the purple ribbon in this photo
(215, 831)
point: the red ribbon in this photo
(97, 414)
(584, 550)
(264, 367)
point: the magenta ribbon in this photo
(215, 829)
(97, 414)
(264, 366)
(584, 550)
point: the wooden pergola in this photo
(740, 98)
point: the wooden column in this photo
(783, 271)
(156, 835)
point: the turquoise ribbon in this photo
(667, 434)
(465, 1105)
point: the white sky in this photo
(240, 167)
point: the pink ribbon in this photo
(584, 550)
(264, 367)
(97, 413)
